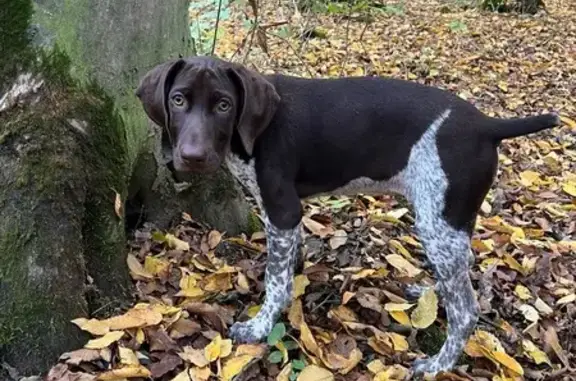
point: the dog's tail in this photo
(499, 129)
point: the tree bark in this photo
(73, 138)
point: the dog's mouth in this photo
(205, 168)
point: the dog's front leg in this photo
(282, 254)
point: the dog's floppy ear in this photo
(258, 103)
(153, 92)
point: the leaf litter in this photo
(349, 318)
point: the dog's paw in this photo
(251, 331)
(430, 366)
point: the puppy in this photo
(286, 138)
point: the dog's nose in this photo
(193, 154)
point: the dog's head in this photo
(200, 103)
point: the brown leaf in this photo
(168, 363)
(60, 372)
(80, 355)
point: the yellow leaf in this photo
(200, 374)
(284, 375)
(118, 205)
(342, 313)
(282, 348)
(135, 318)
(392, 373)
(234, 366)
(397, 306)
(136, 268)
(400, 263)
(214, 238)
(513, 263)
(94, 326)
(528, 178)
(104, 341)
(401, 317)
(155, 266)
(569, 122)
(218, 282)
(522, 292)
(567, 299)
(570, 188)
(127, 356)
(363, 274)
(347, 296)
(399, 341)
(427, 310)
(308, 339)
(212, 350)
(398, 246)
(175, 243)
(140, 337)
(253, 311)
(534, 353)
(243, 282)
(315, 373)
(194, 356)
(295, 315)
(254, 350)
(353, 360)
(375, 366)
(300, 283)
(504, 359)
(123, 373)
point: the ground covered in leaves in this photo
(349, 319)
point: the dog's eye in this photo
(223, 105)
(178, 100)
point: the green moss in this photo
(14, 20)
(431, 339)
(254, 224)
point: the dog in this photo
(286, 138)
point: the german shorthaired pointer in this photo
(286, 139)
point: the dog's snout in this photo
(192, 154)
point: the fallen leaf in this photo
(126, 372)
(175, 243)
(80, 355)
(400, 263)
(93, 326)
(136, 268)
(234, 366)
(316, 227)
(143, 316)
(212, 350)
(426, 311)
(300, 284)
(315, 373)
(127, 356)
(118, 205)
(104, 341)
(194, 356)
(339, 238)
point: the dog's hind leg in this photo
(448, 252)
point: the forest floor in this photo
(349, 319)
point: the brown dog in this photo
(288, 138)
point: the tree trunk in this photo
(73, 138)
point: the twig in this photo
(345, 59)
(274, 24)
(216, 27)
(295, 52)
